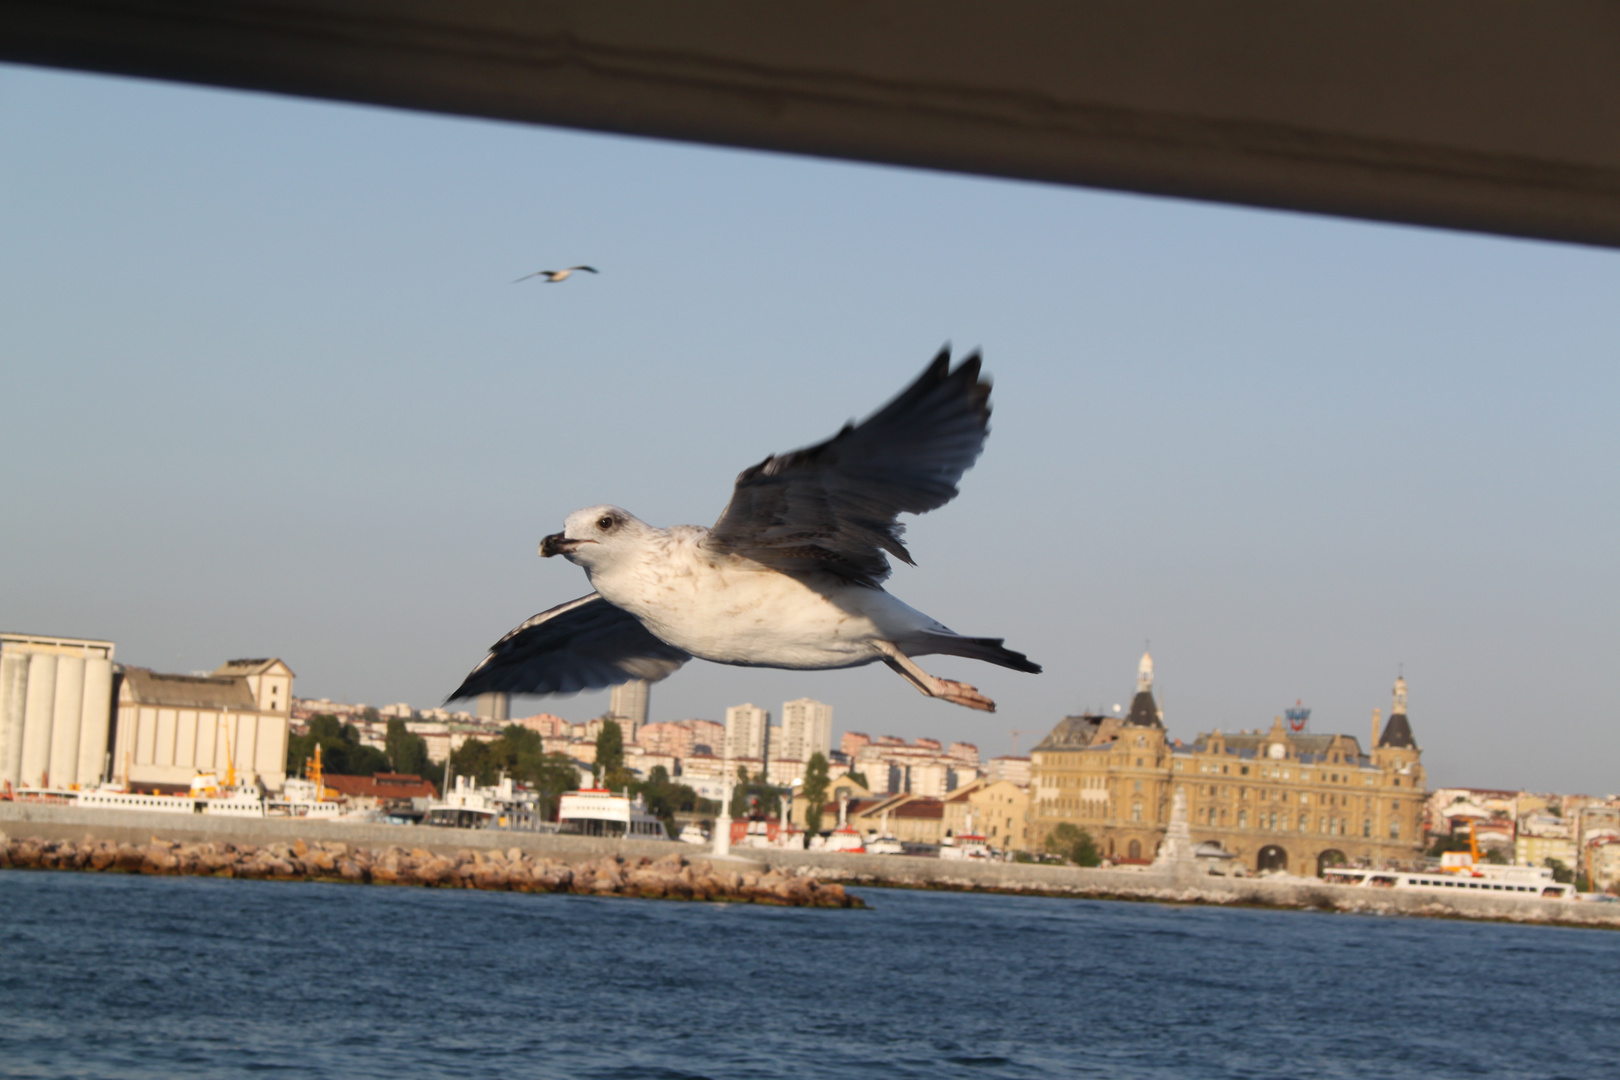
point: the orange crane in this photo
(313, 764)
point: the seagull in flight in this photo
(556, 275)
(789, 577)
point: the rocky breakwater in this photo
(669, 878)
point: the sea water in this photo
(120, 976)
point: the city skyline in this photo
(283, 400)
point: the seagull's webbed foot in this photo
(958, 693)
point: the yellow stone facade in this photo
(999, 809)
(1276, 800)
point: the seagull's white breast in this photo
(732, 610)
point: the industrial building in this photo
(55, 710)
(171, 727)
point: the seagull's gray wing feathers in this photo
(834, 506)
(585, 644)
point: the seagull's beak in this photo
(557, 544)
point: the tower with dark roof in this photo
(1397, 753)
(1397, 732)
(1144, 710)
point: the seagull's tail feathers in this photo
(989, 650)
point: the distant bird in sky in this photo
(789, 577)
(556, 275)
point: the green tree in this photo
(860, 778)
(553, 775)
(407, 752)
(1448, 842)
(1561, 873)
(1073, 843)
(665, 798)
(520, 754)
(741, 801)
(472, 759)
(341, 752)
(610, 768)
(815, 791)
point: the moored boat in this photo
(1486, 879)
(599, 812)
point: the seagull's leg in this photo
(947, 689)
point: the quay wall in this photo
(1184, 886)
(56, 822)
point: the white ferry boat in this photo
(693, 833)
(845, 838)
(305, 799)
(117, 798)
(1526, 881)
(237, 798)
(967, 844)
(467, 806)
(883, 842)
(59, 796)
(599, 812)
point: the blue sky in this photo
(269, 390)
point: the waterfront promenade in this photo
(54, 822)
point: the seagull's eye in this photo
(606, 524)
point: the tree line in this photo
(343, 754)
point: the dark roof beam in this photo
(1493, 115)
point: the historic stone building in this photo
(1275, 799)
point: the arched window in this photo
(1135, 849)
(1243, 819)
(1136, 812)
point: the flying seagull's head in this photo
(595, 536)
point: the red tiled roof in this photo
(383, 786)
(920, 808)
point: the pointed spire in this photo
(1145, 712)
(1397, 731)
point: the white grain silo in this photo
(13, 710)
(36, 747)
(55, 705)
(67, 710)
(97, 715)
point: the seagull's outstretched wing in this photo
(585, 644)
(834, 506)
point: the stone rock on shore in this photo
(671, 877)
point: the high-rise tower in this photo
(806, 730)
(628, 705)
(747, 730)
